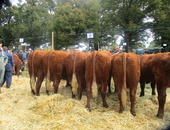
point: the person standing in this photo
(117, 51)
(3, 62)
(8, 68)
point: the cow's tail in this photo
(124, 87)
(94, 84)
(33, 78)
(48, 73)
(74, 82)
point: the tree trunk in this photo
(96, 46)
(128, 40)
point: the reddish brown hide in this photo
(146, 73)
(35, 69)
(18, 64)
(98, 70)
(160, 65)
(75, 66)
(126, 74)
(54, 68)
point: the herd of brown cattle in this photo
(93, 71)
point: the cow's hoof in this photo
(79, 98)
(105, 105)
(141, 95)
(33, 92)
(47, 92)
(89, 109)
(68, 85)
(109, 93)
(133, 113)
(154, 93)
(120, 111)
(159, 116)
(73, 96)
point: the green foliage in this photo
(161, 23)
(70, 20)
(6, 26)
(127, 16)
(152, 45)
(5, 3)
(73, 18)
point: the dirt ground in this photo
(20, 110)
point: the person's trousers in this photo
(8, 78)
(2, 72)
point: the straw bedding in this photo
(23, 111)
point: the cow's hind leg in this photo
(81, 88)
(32, 84)
(109, 86)
(67, 83)
(153, 88)
(73, 95)
(88, 94)
(142, 86)
(119, 91)
(103, 94)
(38, 84)
(161, 98)
(56, 84)
(132, 100)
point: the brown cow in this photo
(75, 66)
(126, 74)
(18, 64)
(19, 54)
(35, 69)
(161, 72)
(56, 69)
(146, 73)
(98, 71)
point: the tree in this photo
(28, 21)
(127, 16)
(161, 24)
(68, 24)
(6, 26)
(4, 3)
(31, 22)
(95, 22)
(72, 19)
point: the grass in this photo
(23, 111)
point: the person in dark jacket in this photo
(8, 68)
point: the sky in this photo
(14, 2)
